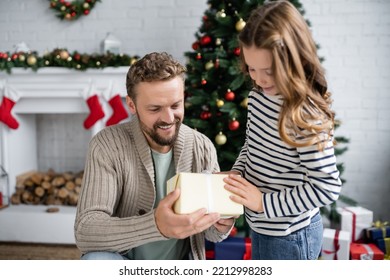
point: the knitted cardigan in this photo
(115, 209)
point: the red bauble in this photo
(205, 18)
(229, 95)
(203, 82)
(205, 40)
(205, 115)
(234, 125)
(237, 51)
(77, 57)
(199, 56)
(195, 46)
(86, 12)
(216, 64)
(14, 56)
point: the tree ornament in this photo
(31, 60)
(64, 55)
(203, 82)
(14, 56)
(205, 115)
(133, 60)
(229, 95)
(205, 40)
(237, 51)
(22, 58)
(234, 125)
(209, 65)
(221, 13)
(198, 56)
(244, 103)
(240, 24)
(220, 103)
(216, 65)
(218, 41)
(220, 139)
(196, 46)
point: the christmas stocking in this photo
(96, 111)
(9, 100)
(119, 112)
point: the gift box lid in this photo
(201, 190)
(374, 233)
(370, 251)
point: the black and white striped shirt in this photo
(295, 182)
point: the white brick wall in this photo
(354, 38)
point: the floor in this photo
(31, 251)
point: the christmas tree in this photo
(216, 89)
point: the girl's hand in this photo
(245, 193)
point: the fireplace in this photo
(50, 99)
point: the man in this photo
(123, 210)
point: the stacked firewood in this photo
(47, 188)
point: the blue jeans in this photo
(304, 244)
(103, 256)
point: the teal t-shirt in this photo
(172, 249)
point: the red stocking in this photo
(5, 113)
(119, 111)
(96, 111)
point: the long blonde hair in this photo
(306, 117)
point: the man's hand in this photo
(245, 193)
(172, 225)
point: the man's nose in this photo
(168, 116)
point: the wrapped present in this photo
(360, 251)
(384, 245)
(200, 190)
(234, 248)
(355, 220)
(378, 230)
(335, 245)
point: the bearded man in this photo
(124, 211)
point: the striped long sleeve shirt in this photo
(295, 182)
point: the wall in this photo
(354, 39)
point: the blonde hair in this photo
(306, 117)
(152, 67)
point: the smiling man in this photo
(124, 211)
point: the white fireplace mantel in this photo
(46, 91)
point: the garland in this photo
(62, 58)
(71, 10)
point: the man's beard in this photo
(157, 138)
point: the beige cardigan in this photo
(115, 209)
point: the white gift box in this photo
(338, 250)
(355, 220)
(200, 190)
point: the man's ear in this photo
(130, 103)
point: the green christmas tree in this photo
(216, 89)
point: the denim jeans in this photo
(304, 244)
(103, 256)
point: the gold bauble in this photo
(209, 65)
(244, 102)
(220, 103)
(240, 24)
(22, 58)
(218, 41)
(86, 6)
(133, 60)
(220, 139)
(64, 54)
(31, 60)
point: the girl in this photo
(286, 169)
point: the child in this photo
(286, 169)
